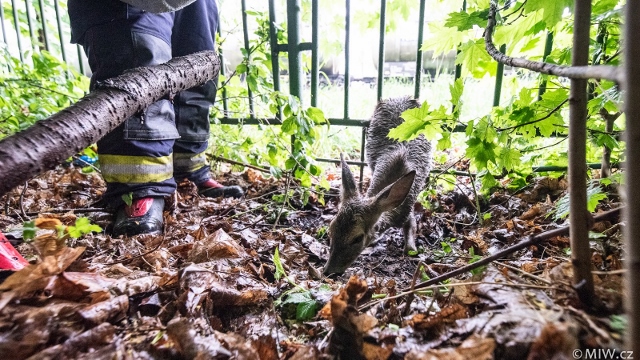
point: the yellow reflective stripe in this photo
(184, 162)
(136, 169)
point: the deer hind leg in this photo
(409, 230)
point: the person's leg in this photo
(194, 30)
(136, 158)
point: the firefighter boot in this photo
(143, 216)
(213, 189)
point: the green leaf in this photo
(465, 21)
(82, 226)
(552, 10)
(443, 39)
(416, 121)
(127, 198)
(456, 89)
(278, 264)
(618, 323)
(29, 230)
(509, 158)
(316, 115)
(473, 58)
(306, 310)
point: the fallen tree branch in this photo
(607, 72)
(49, 142)
(532, 240)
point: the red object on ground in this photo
(10, 258)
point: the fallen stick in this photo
(532, 240)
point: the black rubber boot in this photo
(213, 189)
(144, 216)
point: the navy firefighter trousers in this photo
(147, 153)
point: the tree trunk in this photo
(579, 217)
(49, 142)
(632, 175)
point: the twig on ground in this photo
(284, 202)
(413, 283)
(164, 238)
(24, 190)
(233, 162)
(524, 273)
(437, 286)
(531, 240)
(63, 211)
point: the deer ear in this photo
(393, 195)
(349, 189)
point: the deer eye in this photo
(358, 239)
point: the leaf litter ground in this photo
(214, 286)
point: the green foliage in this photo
(301, 299)
(35, 89)
(29, 230)
(285, 149)
(82, 227)
(594, 196)
(278, 264)
(618, 323)
(127, 198)
(512, 138)
(474, 259)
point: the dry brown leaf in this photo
(376, 352)
(474, 347)
(48, 244)
(47, 223)
(556, 341)
(111, 310)
(447, 315)
(217, 246)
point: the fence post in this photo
(17, 25)
(295, 59)
(383, 15)
(315, 62)
(547, 50)
(245, 33)
(43, 20)
(419, 53)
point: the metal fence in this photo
(35, 25)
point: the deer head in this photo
(354, 228)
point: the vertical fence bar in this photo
(347, 41)
(499, 75)
(295, 58)
(43, 20)
(547, 50)
(80, 59)
(293, 52)
(63, 52)
(315, 62)
(383, 15)
(632, 174)
(275, 51)
(419, 53)
(32, 34)
(16, 23)
(223, 71)
(578, 214)
(245, 33)
(458, 72)
(4, 29)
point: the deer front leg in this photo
(409, 230)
